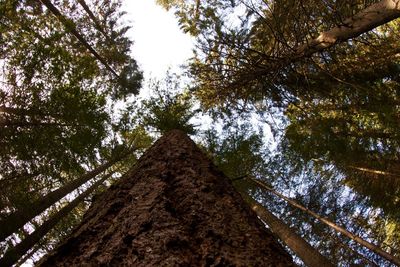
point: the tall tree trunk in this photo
(374, 171)
(25, 124)
(92, 17)
(72, 29)
(12, 255)
(332, 225)
(367, 19)
(28, 255)
(32, 113)
(13, 111)
(12, 222)
(174, 208)
(309, 255)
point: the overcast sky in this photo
(159, 43)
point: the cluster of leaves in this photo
(53, 95)
(56, 98)
(239, 150)
(169, 105)
(339, 108)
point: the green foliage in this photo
(195, 16)
(238, 151)
(130, 81)
(168, 107)
(340, 105)
(357, 132)
(56, 120)
(247, 51)
(338, 155)
(53, 95)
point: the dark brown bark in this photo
(174, 208)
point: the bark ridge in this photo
(174, 208)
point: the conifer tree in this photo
(173, 208)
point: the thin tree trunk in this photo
(71, 28)
(374, 171)
(364, 21)
(309, 255)
(174, 208)
(28, 255)
(334, 226)
(6, 182)
(346, 246)
(14, 111)
(9, 123)
(12, 255)
(92, 17)
(12, 222)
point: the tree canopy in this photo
(56, 98)
(302, 96)
(328, 76)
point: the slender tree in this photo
(54, 119)
(71, 28)
(15, 220)
(92, 17)
(334, 226)
(309, 255)
(12, 255)
(53, 96)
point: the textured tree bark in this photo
(174, 208)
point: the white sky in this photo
(159, 43)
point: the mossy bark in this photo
(174, 208)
